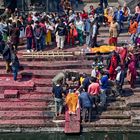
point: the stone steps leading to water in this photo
(33, 109)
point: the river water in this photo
(61, 136)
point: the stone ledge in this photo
(11, 93)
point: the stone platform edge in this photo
(130, 129)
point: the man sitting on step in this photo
(60, 78)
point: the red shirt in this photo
(84, 15)
(94, 89)
(29, 31)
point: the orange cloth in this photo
(71, 102)
(133, 27)
(103, 49)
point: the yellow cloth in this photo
(71, 102)
(108, 13)
(48, 37)
(103, 49)
(81, 80)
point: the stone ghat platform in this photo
(32, 109)
(27, 105)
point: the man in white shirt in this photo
(119, 80)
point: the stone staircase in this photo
(32, 110)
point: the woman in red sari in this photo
(123, 54)
(71, 37)
(113, 64)
(132, 70)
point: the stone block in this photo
(72, 127)
(10, 93)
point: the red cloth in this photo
(113, 41)
(84, 15)
(123, 55)
(29, 31)
(29, 19)
(113, 66)
(133, 72)
(42, 25)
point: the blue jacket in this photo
(87, 25)
(104, 82)
(85, 100)
(86, 83)
(118, 16)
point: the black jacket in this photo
(14, 60)
(7, 53)
(61, 29)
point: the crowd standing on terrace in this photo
(68, 28)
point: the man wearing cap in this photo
(119, 79)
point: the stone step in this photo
(133, 102)
(40, 123)
(78, 58)
(117, 105)
(43, 65)
(111, 106)
(45, 73)
(48, 82)
(105, 29)
(24, 123)
(135, 113)
(11, 93)
(16, 115)
(15, 85)
(87, 64)
(36, 97)
(127, 90)
(43, 90)
(42, 73)
(19, 105)
(106, 115)
(106, 35)
(108, 123)
(136, 120)
(35, 65)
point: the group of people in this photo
(68, 27)
(92, 89)
(9, 56)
